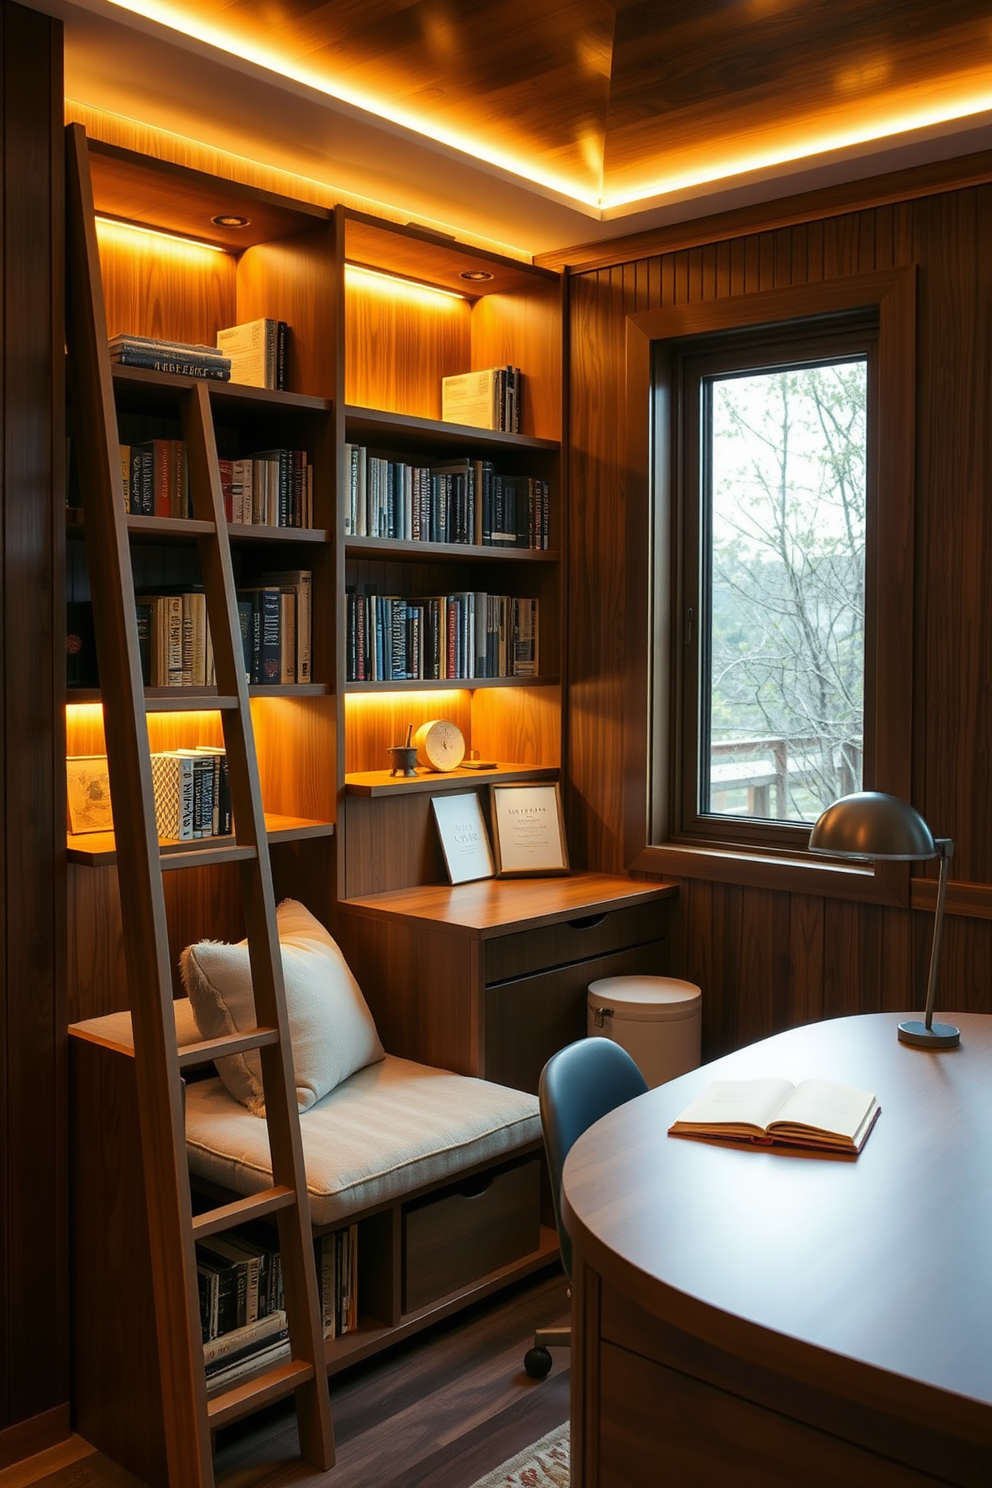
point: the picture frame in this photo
(528, 830)
(87, 795)
(461, 826)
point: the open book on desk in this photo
(815, 1113)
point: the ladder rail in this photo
(268, 987)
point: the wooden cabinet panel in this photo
(527, 1020)
(574, 940)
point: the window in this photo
(774, 497)
(769, 508)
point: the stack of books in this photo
(487, 400)
(155, 478)
(337, 1280)
(257, 351)
(272, 488)
(192, 793)
(170, 356)
(174, 639)
(242, 1317)
(276, 628)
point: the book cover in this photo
(252, 350)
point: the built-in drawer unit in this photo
(577, 939)
(468, 1230)
(530, 1018)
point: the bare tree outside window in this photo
(785, 456)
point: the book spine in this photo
(183, 366)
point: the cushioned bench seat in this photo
(387, 1130)
(390, 1128)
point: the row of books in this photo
(155, 478)
(253, 354)
(192, 793)
(275, 617)
(273, 488)
(456, 501)
(462, 635)
(489, 399)
(242, 1303)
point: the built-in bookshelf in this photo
(417, 309)
(377, 316)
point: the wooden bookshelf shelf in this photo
(381, 783)
(99, 849)
(367, 425)
(449, 684)
(138, 380)
(430, 552)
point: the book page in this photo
(736, 1103)
(820, 1105)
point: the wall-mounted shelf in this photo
(381, 783)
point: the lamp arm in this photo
(945, 845)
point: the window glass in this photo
(782, 527)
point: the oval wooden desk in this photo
(755, 1317)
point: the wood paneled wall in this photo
(33, 1384)
(767, 960)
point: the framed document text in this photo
(88, 793)
(528, 830)
(461, 827)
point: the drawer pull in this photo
(587, 922)
(474, 1188)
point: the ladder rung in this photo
(228, 1043)
(203, 857)
(269, 1201)
(187, 700)
(261, 1390)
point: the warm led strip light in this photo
(177, 18)
(154, 232)
(397, 285)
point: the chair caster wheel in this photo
(537, 1363)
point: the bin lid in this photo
(646, 999)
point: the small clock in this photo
(440, 745)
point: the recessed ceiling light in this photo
(223, 219)
(477, 276)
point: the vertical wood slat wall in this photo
(769, 960)
(33, 1309)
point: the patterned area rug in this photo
(544, 1465)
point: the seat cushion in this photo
(392, 1127)
(330, 1027)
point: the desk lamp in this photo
(871, 824)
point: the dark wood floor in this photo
(442, 1409)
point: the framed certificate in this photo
(528, 830)
(464, 839)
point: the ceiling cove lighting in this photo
(790, 151)
(111, 226)
(178, 19)
(393, 285)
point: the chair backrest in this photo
(580, 1084)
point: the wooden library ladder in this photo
(189, 1416)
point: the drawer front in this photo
(574, 940)
(463, 1233)
(527, 1020)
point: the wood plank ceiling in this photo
(616, 101)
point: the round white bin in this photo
(656, 1019)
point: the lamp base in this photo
(937, 1036)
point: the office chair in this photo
(578, 1085)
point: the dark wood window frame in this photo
(653, 338)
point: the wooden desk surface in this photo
(868, 1277)
(494, 906)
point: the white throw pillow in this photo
(330, 1027)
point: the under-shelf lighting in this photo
(112, 226)
(393, 285)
